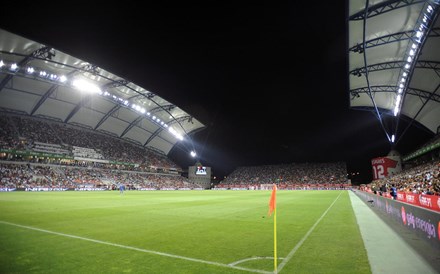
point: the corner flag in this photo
(273, 200)
(273, 209)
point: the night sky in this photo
(269, 80)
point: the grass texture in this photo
(179, 232)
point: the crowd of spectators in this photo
(121, 162)
(26, 176)
(43, 155)
(23, 133)
(288, 176)
(421, 179)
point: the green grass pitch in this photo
(179, 232)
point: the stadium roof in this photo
(394, 63)
(40, 81)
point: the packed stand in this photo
(288, 176)
(38, 154)
(37, 177)
(25, 133)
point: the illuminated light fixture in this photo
(193, 153)
(424, 23)
(175, 133)
(393, 138)
(138, 108)
(396, 110)
(86, 86)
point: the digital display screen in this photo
(201, 170)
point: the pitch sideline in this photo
(299, 244)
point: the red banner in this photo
(431, 202)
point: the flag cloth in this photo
(273, 200)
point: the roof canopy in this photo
(37, 80)
(394, 63)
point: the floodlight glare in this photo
(63, 78)
(86, 86)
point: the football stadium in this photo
(87, 184)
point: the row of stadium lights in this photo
(83, 85)
(422, 26)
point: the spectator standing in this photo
(121, 188)
(394, 192)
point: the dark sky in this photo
(268, 80)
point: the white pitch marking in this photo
(251, 259)
(138, 249)
(298, 245)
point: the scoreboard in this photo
(200, 175)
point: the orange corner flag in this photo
(273, 200)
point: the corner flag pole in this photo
(275, 240)
(273, 209)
